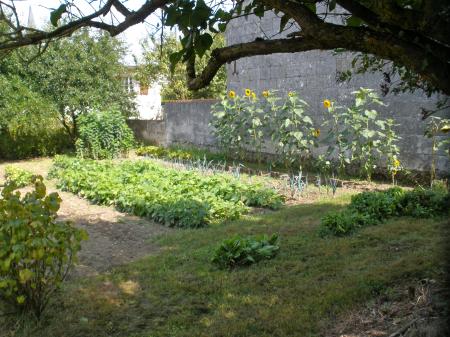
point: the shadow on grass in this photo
(178, 292)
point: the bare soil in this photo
(114, 238)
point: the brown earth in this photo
(114, 238)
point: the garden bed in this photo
(172, 197)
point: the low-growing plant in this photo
(36, 250)
(18, 176)
(373, 208)
(243, 251)
(103, 135)
(174, 197)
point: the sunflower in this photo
(316, 133)
(291, 94)
(445, 128)
(248, 92)
(231, 94)
(265, 93)
(396, 163)
(326, 103)
(253, 95)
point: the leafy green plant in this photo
(19, 177)
(373, 208)
(293, 132)
(176, 198)
(357, 135)
(240, 251)
(103, 134)
(36, 251)
(245, 122)
(436, 127)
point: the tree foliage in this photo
(158, 68)
(41, 99)
(414, 34)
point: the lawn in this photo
(309, 285)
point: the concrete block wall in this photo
(187, 123)
(313, 75)
(149, 131)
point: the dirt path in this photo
(114, 238)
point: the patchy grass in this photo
(178, 292)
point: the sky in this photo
(41, 11)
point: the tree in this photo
(79, 74)
(414, 34)
(157, 68)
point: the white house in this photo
(148, 99)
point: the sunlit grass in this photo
(311, 281)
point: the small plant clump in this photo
(36, 250)
(176, 198)
(373, 208)
(243, 251)
(19, 177)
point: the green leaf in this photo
(202, 43)
(354, 21)
(174, 58)
(284, 20)
(56, 14)
(332, 5)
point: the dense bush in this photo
(172, 197)
(36, 251)
(29, 125)
(19, 177)
(103, 134)
(372, 208)
(239, 251)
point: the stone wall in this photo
(184, 123)
(187, 123)
(149, 131)
(313, 75)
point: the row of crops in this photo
(172, 197)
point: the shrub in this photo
(45, 141)
(18, 176)
(378, 204)
(239, 251)
(372, 208)
(36, 251)
(425, 203)
(103, 135)
(343, 223)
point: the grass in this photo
(178, 292)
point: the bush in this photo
(36, 251)
(240, 251)
(425, 203)
(45, 141)
(18, 176)
(372, 208)
(103, 135)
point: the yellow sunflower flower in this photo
(231, 94)
(253, 95)
(316, 133)
(326, 103)
(265, 93)
(248, 92)
(291, 94)
(396, 163)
